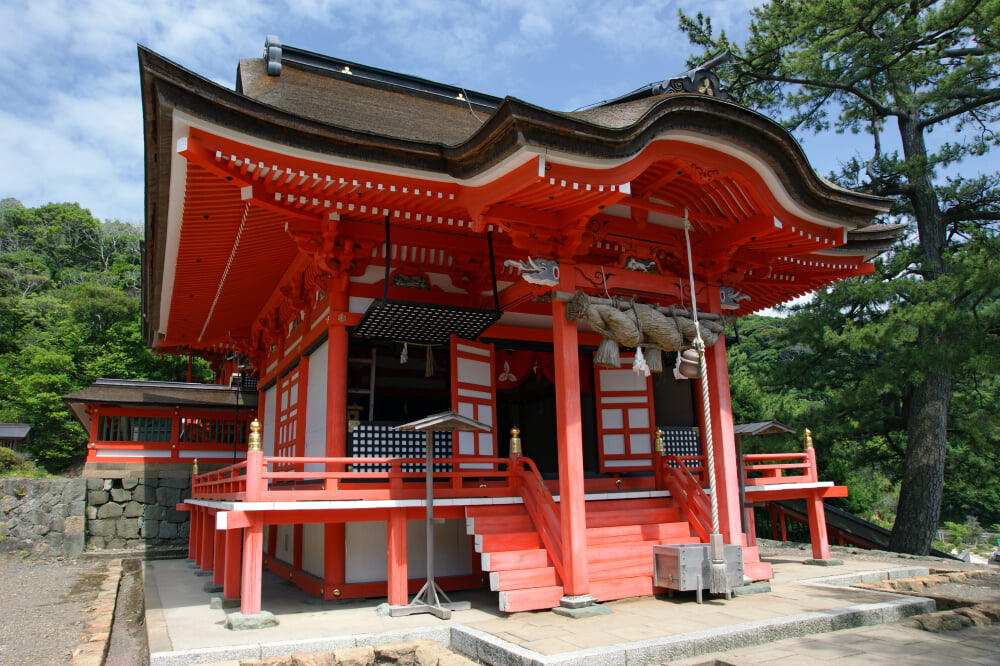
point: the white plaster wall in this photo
(267, 421)
(286, 543)
(367, 550)
(315, 435)
(312, 549)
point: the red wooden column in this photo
(193, 533)
(334, 534)
(817, 527)
(219, 557)
(397, 572)
(234, 551)
(727, 466)
(253, 556)
(206, 541)
(569, 437)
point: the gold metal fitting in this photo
(336, 592)
(807, 439)
(194, 468)
(482, 484)
(618, 483)
(658, 445)
(254, 442)
(515, 442)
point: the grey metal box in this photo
(688, 567)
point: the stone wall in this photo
(44, 516)
(136, 512)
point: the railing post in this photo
(812, 473)
(255, 465)
(515, 456)
(658, 449)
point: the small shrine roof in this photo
(133, 392)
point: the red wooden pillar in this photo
(817, 528)
(397, 572)
(773, 511)
(233, 551)
(206, 541)
(569, 437)
(727, 466)
(219, 557)
(193, 533)
(334, 534)
(253, 547)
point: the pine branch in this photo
(983, 99)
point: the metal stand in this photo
(428, 599)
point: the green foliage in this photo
(69, 313)
(899, 349)
(8, 459)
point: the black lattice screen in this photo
(423, 323)
(382, 440)
(681, 441)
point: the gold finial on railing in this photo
(194, 468)
(515, 442)
(254, 443)
(658, 445)
(807, 439)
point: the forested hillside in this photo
(69, 313)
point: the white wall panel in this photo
(315, 434)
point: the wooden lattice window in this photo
(288, 441)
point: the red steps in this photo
(620, 537)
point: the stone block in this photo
(402, 654)
(75, 490)
(145, 494)
(175, 516)
(115, 543)
(316, 659)
(358, 656)
(57, 524)
(129, 484)
(121, 495)
(155, 511)
(40, 530)
(150, 529)
(168, 497)
(76, 508)
(241, 622)
(128, 528)
(109, 510)
(98, 497)
(96, 542)
(167, 530)
(108, 484)
(101, 528)
(181, 483)
(91, 513)
(183, 529)
(95, 484)
(73, 544)
(133, 510)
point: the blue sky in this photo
(70, 116)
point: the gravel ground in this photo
(44, 605)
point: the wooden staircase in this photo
(620, 539)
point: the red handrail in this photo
(543, 511)
(778, 472)
(688, 493)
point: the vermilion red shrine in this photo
(339, 229)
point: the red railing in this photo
(686, 488)
(779, 468)
(258, 480)
(542, 508)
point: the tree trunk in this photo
(927, 416)
(923, 474)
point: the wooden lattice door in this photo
(624, 418)
(473, 395)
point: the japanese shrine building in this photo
(377, 248)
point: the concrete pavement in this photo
(804, 601)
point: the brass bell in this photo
(690, 365)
